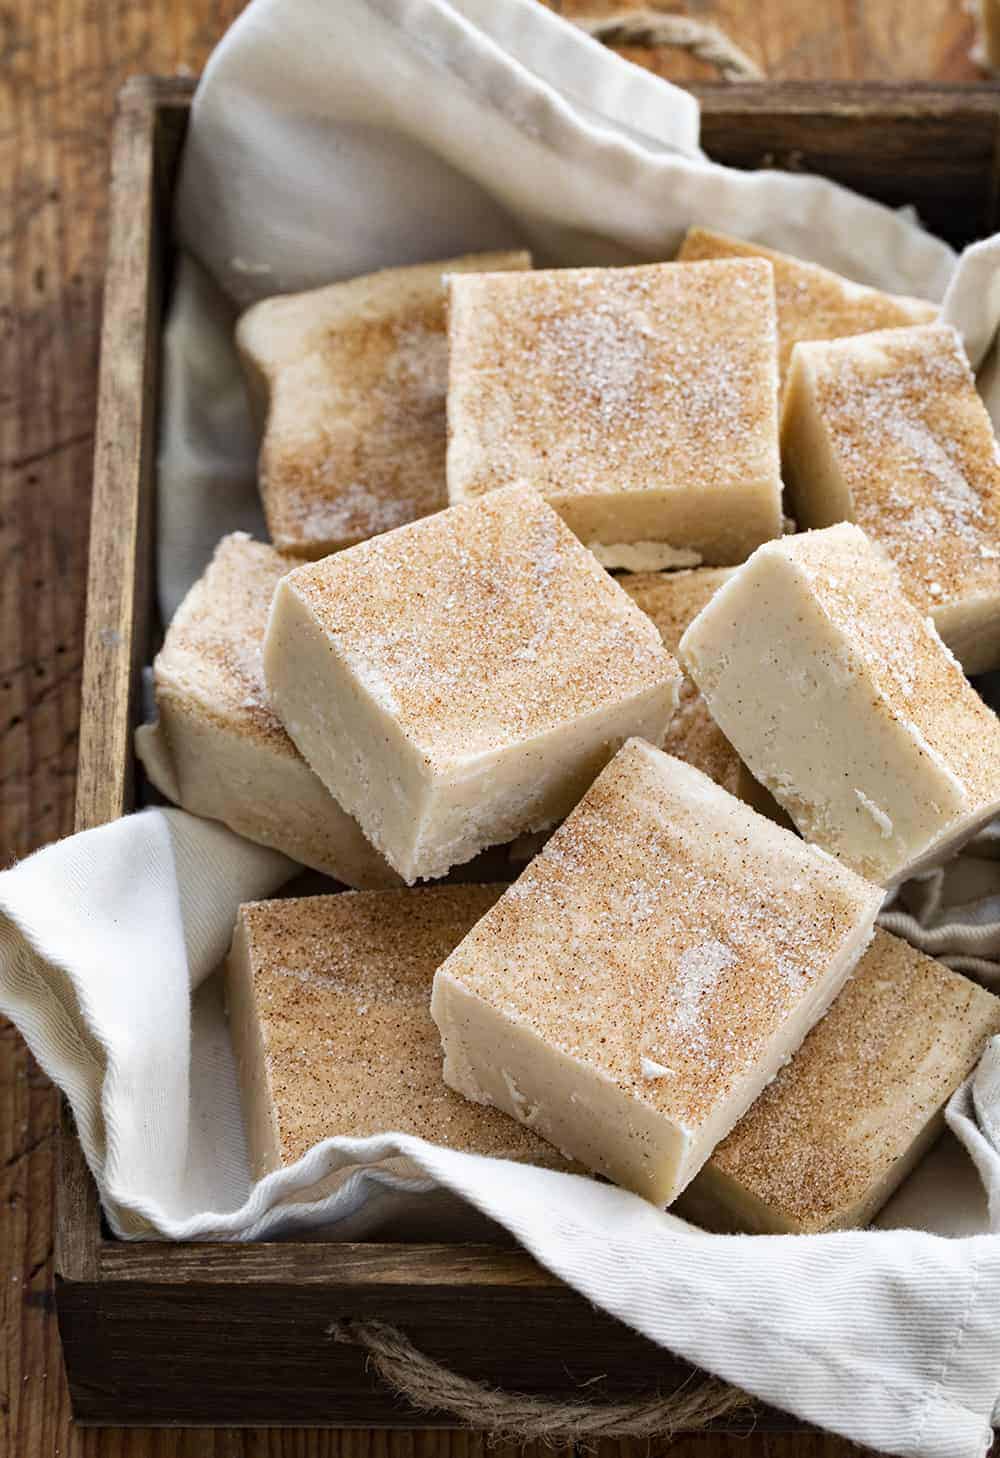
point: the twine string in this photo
(517, 1417)
(651, 27)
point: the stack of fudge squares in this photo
(638, 603)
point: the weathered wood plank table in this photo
(61, 63)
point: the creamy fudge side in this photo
(635, 989)
(348, 383)
(641, 402)
(888, 431)
(329, 1008)
(460, 681)
(218, 748)
(845, 1122)
(843, 701)
(812, 302)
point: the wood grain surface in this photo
(61, 62)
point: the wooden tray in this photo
(238, 1334)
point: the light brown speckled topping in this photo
(664, 934)
(920, 683)
(671, 600)
(484, 625)
(607, 380)
(917, 453)
(342, 989)
(813, 302)
(897, 1042)
(357, 374)
(211, 654)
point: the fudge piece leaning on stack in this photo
(329, 1005)
(887, 431)
(844, 702)
(649, 972)
(348, 383)
(218, 748)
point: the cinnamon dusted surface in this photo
(812, 302)
(211, 655)
(356, 375)
(865, 1084)
(917, 453)
(484, 626)
(594, 382)
(341, 986)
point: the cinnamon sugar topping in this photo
(484, 626)
(664, 924)
(812, 302)
(355, 376)
(820, 1146)
(916, 456)
(212, 651)
(341, 991)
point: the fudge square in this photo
(843, 701)
(845, 1122)
(641, 402)
(348, 383)
(329, 1007)
(461, 680)
(218, 748)
(888, 431)
(812, 302)
(635, 989)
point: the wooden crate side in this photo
(259, 1356)
(119, 581)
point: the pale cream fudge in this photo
(632, 993)
(348, 383)
(218, 749)
(671, 600)
(850, 1116)
(812, 302)
(641, 402)
(329, 1009)
(842, 700)
(460, 681)
(888, 430)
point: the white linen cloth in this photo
(327, 140)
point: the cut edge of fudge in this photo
(868, 642)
